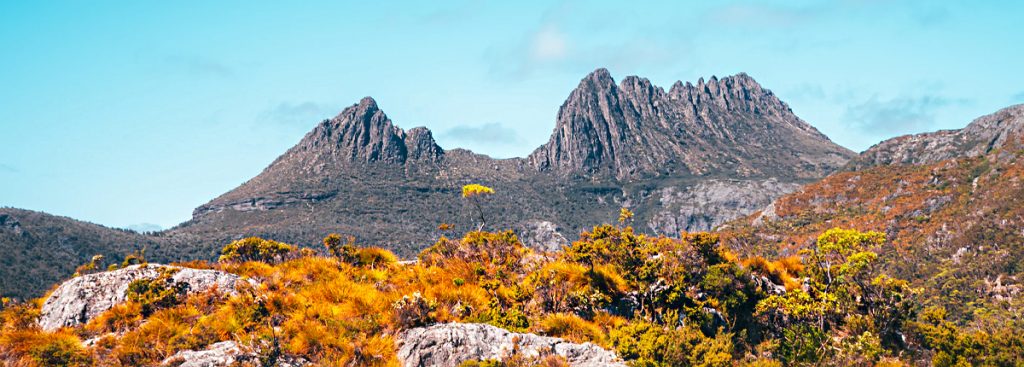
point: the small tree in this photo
(474, 193)
(625, 215)
(344, 251)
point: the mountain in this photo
(951, 203)
(686, 159)
(730, 126)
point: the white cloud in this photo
(548, 44)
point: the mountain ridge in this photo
(613, 144)
(687, 159)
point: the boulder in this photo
(448, 345)
(225, 354)
(82, 298)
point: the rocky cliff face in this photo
(636, 129)
(363, 133)
(980, 137)
(448, 345)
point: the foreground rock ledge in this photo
(448, 345)
(225, 354)
(81, 299)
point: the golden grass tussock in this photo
(645, 297)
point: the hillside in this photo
(952, 203)
(688, 158)
(613, 298)
(40, 249)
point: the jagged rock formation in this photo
(980, 137)
(448, 345)
(687, 159)
(82, 298)
(636, 129)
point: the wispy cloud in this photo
(303, 114)
(760, 15)
(898, 115)
(548, 44)
(198, 66)
(482, 137)
(551, 47)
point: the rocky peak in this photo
(728, 125)
(363, 133)
(981, 136)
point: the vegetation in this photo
(657, 301)
(474, 193)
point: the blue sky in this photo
(133, 112)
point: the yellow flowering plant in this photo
(473, 192)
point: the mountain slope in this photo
(40, 249)
(951, 202)
(686, 159)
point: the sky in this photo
(126, 113)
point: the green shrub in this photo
(157, 293)
(255, 249)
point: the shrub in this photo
(374, 256)
(570, 327)
(336, 248)
(96, 263)
(157, 293)
(32, 347)
(413, 310)
(255, 249)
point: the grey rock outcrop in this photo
(82, 298)
(710, 203)
(980, 137)
(448, 345)
(221, 354)
(542, 235)
(225, 354)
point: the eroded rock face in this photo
(80, 299)
(445, 345)
(708, 204)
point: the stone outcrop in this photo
(226, 354)
(448, 345)
(542, 235)
(82, 298)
